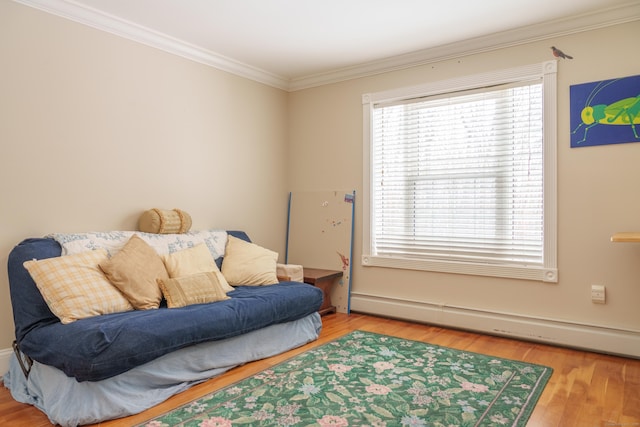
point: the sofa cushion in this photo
(134, 271)
(197, 259)
(197, 288)
(75, 288)
(103, 346)
(113, 241)
(248, 264)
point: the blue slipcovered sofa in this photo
(113, 365)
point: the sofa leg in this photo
(24, 360)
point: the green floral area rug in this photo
(367, 379)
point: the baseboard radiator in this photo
(549, 331)
(585, 337)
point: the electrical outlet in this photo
(598, 294)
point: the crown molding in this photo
(88, 16)
(547, 30)
(129, 30)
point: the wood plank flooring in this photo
(586, 389)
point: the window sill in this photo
(523, 272)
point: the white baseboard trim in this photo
(586, 337)
(5, 354)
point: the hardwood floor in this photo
(586, 389)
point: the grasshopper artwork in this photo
(605, 106)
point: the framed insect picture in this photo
(605, 112)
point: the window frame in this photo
(548, 272)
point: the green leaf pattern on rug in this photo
(368, 379)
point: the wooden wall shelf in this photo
(626, 236)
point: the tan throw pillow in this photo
(248, 264)
(197, 259)
(74, 287)
(198, 288)
(134, 271)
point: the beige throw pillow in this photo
(248, 264)
(198, 288)
(74, 287)
(290, 272)
(134, 271)
(197, 259)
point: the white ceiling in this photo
(288, 41)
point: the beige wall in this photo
(95, 129)
(597, 190)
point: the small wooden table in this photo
(323, 279)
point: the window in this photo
(460, 175)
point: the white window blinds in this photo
(460, 176)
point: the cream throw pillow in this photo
(74, 287)
(134, 270)
(198, 288)
(290, 272)
(248, 264)
(197, 259)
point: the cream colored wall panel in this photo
(320, 233)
